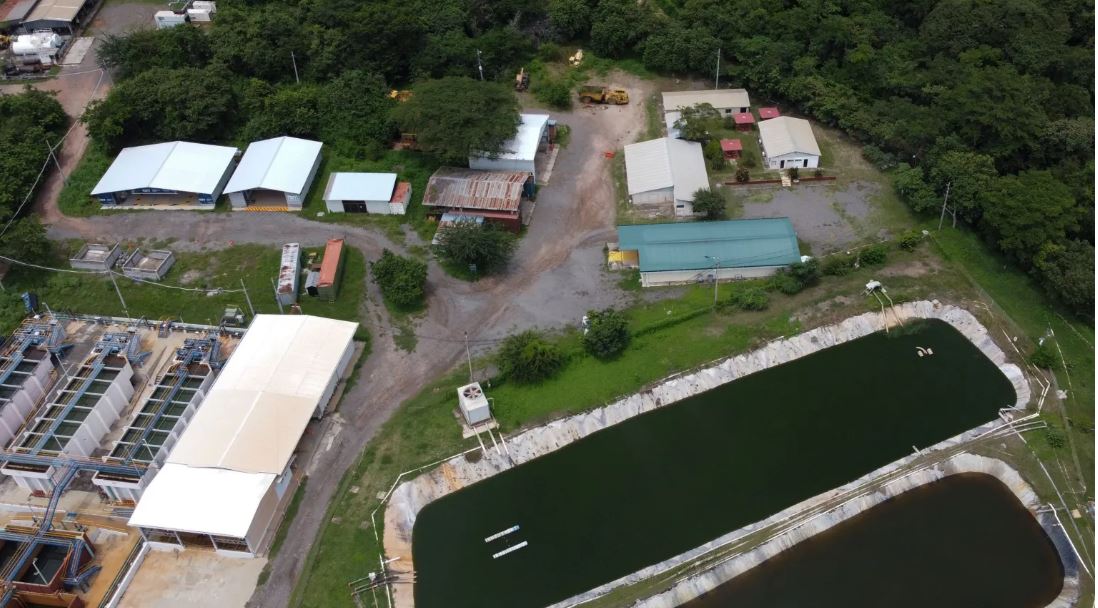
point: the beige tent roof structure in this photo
(787, 135)
(245, 432)
(718, 98)
(55, 10)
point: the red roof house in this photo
(743, 120)
(767, 113)
(732, 148)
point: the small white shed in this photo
(378, 193)
(788, 142)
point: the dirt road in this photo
(556, 275)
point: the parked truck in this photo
(601, 94)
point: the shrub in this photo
(486, 246)
(794, 173)
(910, 240)
(1054, 437)
(818, 172)
(748, 159)
(710, 202)
(1044, 356)
(749, 297)
(714, 156)
(743, 175)
(550, 51)
(786, 283)
(607, 333)
(808, 273)
(528, 358)
(874, 255)
(879, 158)
(838, 265)
(554, 93)
(401, 279)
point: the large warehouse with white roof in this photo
(175, 174)
(223, 484)
(274, 173)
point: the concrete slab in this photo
(78, 50)
(192, 579)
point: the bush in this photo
(874, 255)
(550, 51)
(748, 159)
(808, 273)
(714, 156)
(879, 158)
(1044, 356)
(910, 240)
(607, 333)
(749, 297)
(711, 203)
(838, 265)
(794, 173)
(529, 358)
(743, 175)
(1055, 438)
(786, 283)
(485, 246)
(553, 93)
(401, 279)
(818, 172)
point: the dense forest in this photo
(992, 100)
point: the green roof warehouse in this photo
(689, 252)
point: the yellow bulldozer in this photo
(601, 94)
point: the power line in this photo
(113, 273)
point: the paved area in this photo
(555, 277)
(192, 579)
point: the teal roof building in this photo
(687, 252)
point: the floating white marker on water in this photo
(501, 534)
(508, 550)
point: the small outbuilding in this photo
(288, 270)
(170, 175)
(665, 171)
(378, 193)
(692, 252)
(331, 270)
(62, 16)
(731, 148)
(95, 256)
(768, 113)
(520, 152)
(150, 266)
(745, 121)
(725, 101)
(274, 174)
(788, 142)
(495, 196)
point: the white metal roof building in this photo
(665, 170)
(367, 192)
(726, 101)
(222, 484)
(519, 152)
(173, 168)
(788, 142)
(285, 166)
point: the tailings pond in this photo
(960, 542)
(656, 485)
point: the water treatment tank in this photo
(38, 43)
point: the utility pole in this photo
(480, 68)
(468, 359)
(944, 203)
(294, 60)
(246, 298)
(717, 80)
(716, 268)
(125, 309)
(277, 301)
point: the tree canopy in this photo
(402, 280)
(486, 247)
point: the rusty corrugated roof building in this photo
(466, 189)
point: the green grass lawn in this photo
(256, 265)
(74, 199)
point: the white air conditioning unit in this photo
(473, 403)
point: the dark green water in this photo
(659, 484)
(946, 544)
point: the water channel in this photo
(659, 484)
(961, 542)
